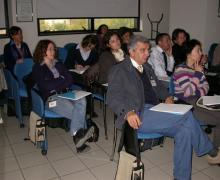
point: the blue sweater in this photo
(46, 81)
(11, 54)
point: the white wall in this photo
(154, 7)
(198, 17)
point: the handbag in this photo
(130, 166)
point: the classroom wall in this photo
(30, 28)
(198, 17)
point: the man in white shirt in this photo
(161, 58)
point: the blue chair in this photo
(62, 54)
(17, 87)
(13, 93)
(70, 46)
(38, 107)
(153, 139)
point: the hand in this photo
(19, 61)
(204, 59)
(133, 119)
(169, 51)
(198, 67)
(169, 100)
(78, 67)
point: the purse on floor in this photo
(130, 166)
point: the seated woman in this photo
(83, 55)
(111, 56)
(125, 34)
(102, 29)
(190, 84)
(52, 78)
(16, 50)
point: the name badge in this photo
(52, 104)
(153, 83)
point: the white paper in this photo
(81, 71)
(172, 108)
(78, 94)
(211, 100)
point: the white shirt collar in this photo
(134, 63)
(159, 49)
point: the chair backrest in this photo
(10, 81)
(21, 70)
(211, 52)
(62, 54)
(37, 102)
(171, 86)
(69, 46)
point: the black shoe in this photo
(82, 136)
(84, 148)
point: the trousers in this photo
(187, 134)
(73, 110)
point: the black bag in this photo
(25, 107)
(95, 135)
(145, 144)
(58, 123)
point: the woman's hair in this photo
(89, 40)
(107, 38)
(99, 30)
(190, 45)
(124, 30)
(176, 32)
(41, 50)
(13, 31)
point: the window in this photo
(116, 23)
(62, 26)
(54, 26)
(3, 18)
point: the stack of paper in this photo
(211, 100)
(172, 108)
(74, 95)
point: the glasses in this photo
(52, 49)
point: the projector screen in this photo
(87, 8)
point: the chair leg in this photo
(115, 137)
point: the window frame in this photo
(91, 25)
(6, 21)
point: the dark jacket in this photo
(11, 54)
(106, 61)
(178, 54)
(126, 92)
(74, 57)
(47, 83)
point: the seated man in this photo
(134, 88)
(161, 58)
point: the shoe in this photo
(83, 149)
(82, 136)
(214, 160)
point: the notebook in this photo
(74, 95)
(211, 100)
(172, 108)
(81, 71)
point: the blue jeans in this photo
(73, 110)
(187, 135)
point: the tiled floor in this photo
(21, 160)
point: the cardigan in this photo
(47, 83)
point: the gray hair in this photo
(135, 39)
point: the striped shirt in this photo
(189, 83)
